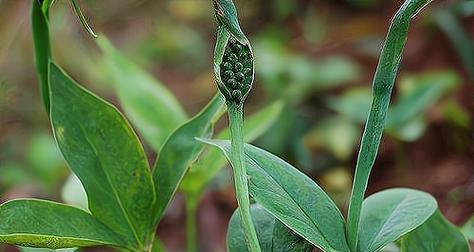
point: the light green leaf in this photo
(389, 214)
(180, 151)
(103, 151)
(435, 235)
(426, 89)
(45, 224)
(151, 107)
(212, 161)
(272, 234)
(292, 198)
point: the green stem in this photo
(191, 228)
(41, 40)
(240, 176)
(384, 80)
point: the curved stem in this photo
(383, 82)
(191, 222)
(240, 176)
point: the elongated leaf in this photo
(151, 107)
(383, 82)
(389, 214)
(292, 198)
(103, 151)
(45, 224)
(272, 234)
(212, 161)
(462, 42)
(82, 18)
(430, 87)
(435, 235)
(40, 29)
(180, 151)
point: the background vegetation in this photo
(318, 57)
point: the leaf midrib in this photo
(299, 206)
(117, 196)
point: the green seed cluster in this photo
(236, 71)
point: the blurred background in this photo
(317, 56)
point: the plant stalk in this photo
(383, 83)
(240, 175)
(191, 222)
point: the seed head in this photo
(236, 71)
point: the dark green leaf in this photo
(389, 214)
(103, 151)
(151, 107)
(435, 235)
(272, 234)
(180, 151)
(292, 198)
(44, 224)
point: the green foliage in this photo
(292, 198)
(106, 155)
(272, 234)
(435, 235)
(405, 119)
(389, 214)
(180, 151)
(127, 199)
(233, 54)
(38, 223)
(383, 82)
(40, 29)
(144, 99)
(212, 161)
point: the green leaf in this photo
(292, 198)
(151, 107)
(46, 6)
(104, 152)
(389, 214)
(83, 19)
(45, 224)
(435, 235)
(468, 229)
(264, 224)
(272, 234)
(41, 40)
(285, 240)
(429, 88)
(383, 83)
(212, 161)
(180, 151)
(460, 39)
